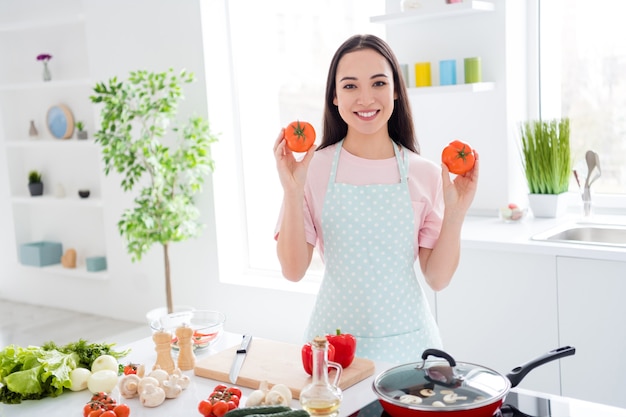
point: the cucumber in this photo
(290, 413)
(257, 410)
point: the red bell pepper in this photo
(307, 357)
(345, 347)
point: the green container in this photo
(96, 263)
(41, 253)
(473, 70)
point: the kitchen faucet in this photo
(593, 173)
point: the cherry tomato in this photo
(122, 410)
(234, 398)
(96, 413)
(458, 157)
(220, 408)
(108, 413)
(220, 388)
(234, 390)
(205, 408)
(231, 405)
(88, 408)
(130, 369)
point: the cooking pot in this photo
(450, 388)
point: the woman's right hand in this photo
(292, 172)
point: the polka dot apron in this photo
(370, 288)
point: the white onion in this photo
(102, 381)
(79, 378)
(104, 362)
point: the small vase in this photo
(548, 205)
(46, 72)
(32, 131)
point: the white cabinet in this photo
(500, 311)
(592, 317)
(66, 164)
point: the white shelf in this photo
(458, 88)
(44, 200)
(78, 272)
(51, 143)
(41, 23)
(81, 82)
(436, 11)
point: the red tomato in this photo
(108, 413)
(122, 410)
(220, 408)
(88, 408)
(300, 136)
(205, 407)
(96, 413)
(231, 405)
(458, 157)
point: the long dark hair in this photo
(400, 125)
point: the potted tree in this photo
(137, 116)
(35, 185)
(547, 164)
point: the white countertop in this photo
(142, 351)
(71, 403)
(491, 233)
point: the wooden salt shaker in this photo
(163, 341)
(186, 357)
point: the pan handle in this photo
(517, 374)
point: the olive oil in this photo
(322, 408)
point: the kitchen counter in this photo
(355, 398)
(491, 233)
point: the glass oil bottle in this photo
(321, 398)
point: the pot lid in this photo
(440, 383)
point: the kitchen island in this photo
(355, 398)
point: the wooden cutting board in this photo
(276, 363)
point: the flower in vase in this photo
(44, 57)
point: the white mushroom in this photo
(151, 395)
(438, 404)
(129, 385)
(427, 392)
(410, 399)
(159, 374)
(452, 398)
(171, 387)
(147, 380)
(183, 380)
(255, 398)
(280, 394)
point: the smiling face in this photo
(365, 92)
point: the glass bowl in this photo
(207, 325)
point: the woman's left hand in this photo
(458, 194)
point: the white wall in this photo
(126, 35)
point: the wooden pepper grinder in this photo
(186, 357)
(163, 342)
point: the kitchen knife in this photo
(240, 356)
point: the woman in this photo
(372, 205)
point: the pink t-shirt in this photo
(424, 184)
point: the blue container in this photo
(447, 72)
(41, 253)
(96, 263)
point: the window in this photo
(279, 55)
(583, 77)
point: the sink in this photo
(586, 233)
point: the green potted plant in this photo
(547, 164)
(35, 185)
(80, 132)
(137, 116)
